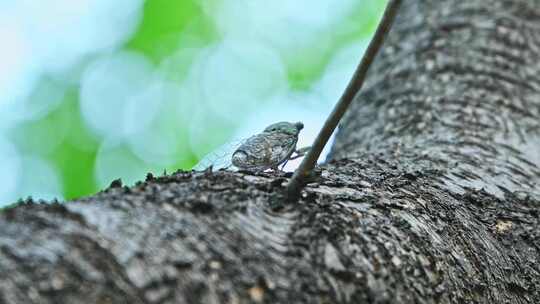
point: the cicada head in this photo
(285, 127)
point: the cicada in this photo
(271, 148)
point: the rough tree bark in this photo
(431, 194)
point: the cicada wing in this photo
(220, 158)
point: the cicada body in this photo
(267, 150)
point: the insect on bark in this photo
(271, 148)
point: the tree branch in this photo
(308, 163)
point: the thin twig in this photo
(301, 174)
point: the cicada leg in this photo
(284, 163)
(299, 153)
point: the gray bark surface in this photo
(431, 194)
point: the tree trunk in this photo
(431, 194)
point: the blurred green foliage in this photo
(165, 26)
(360, 23)
(165, 22)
